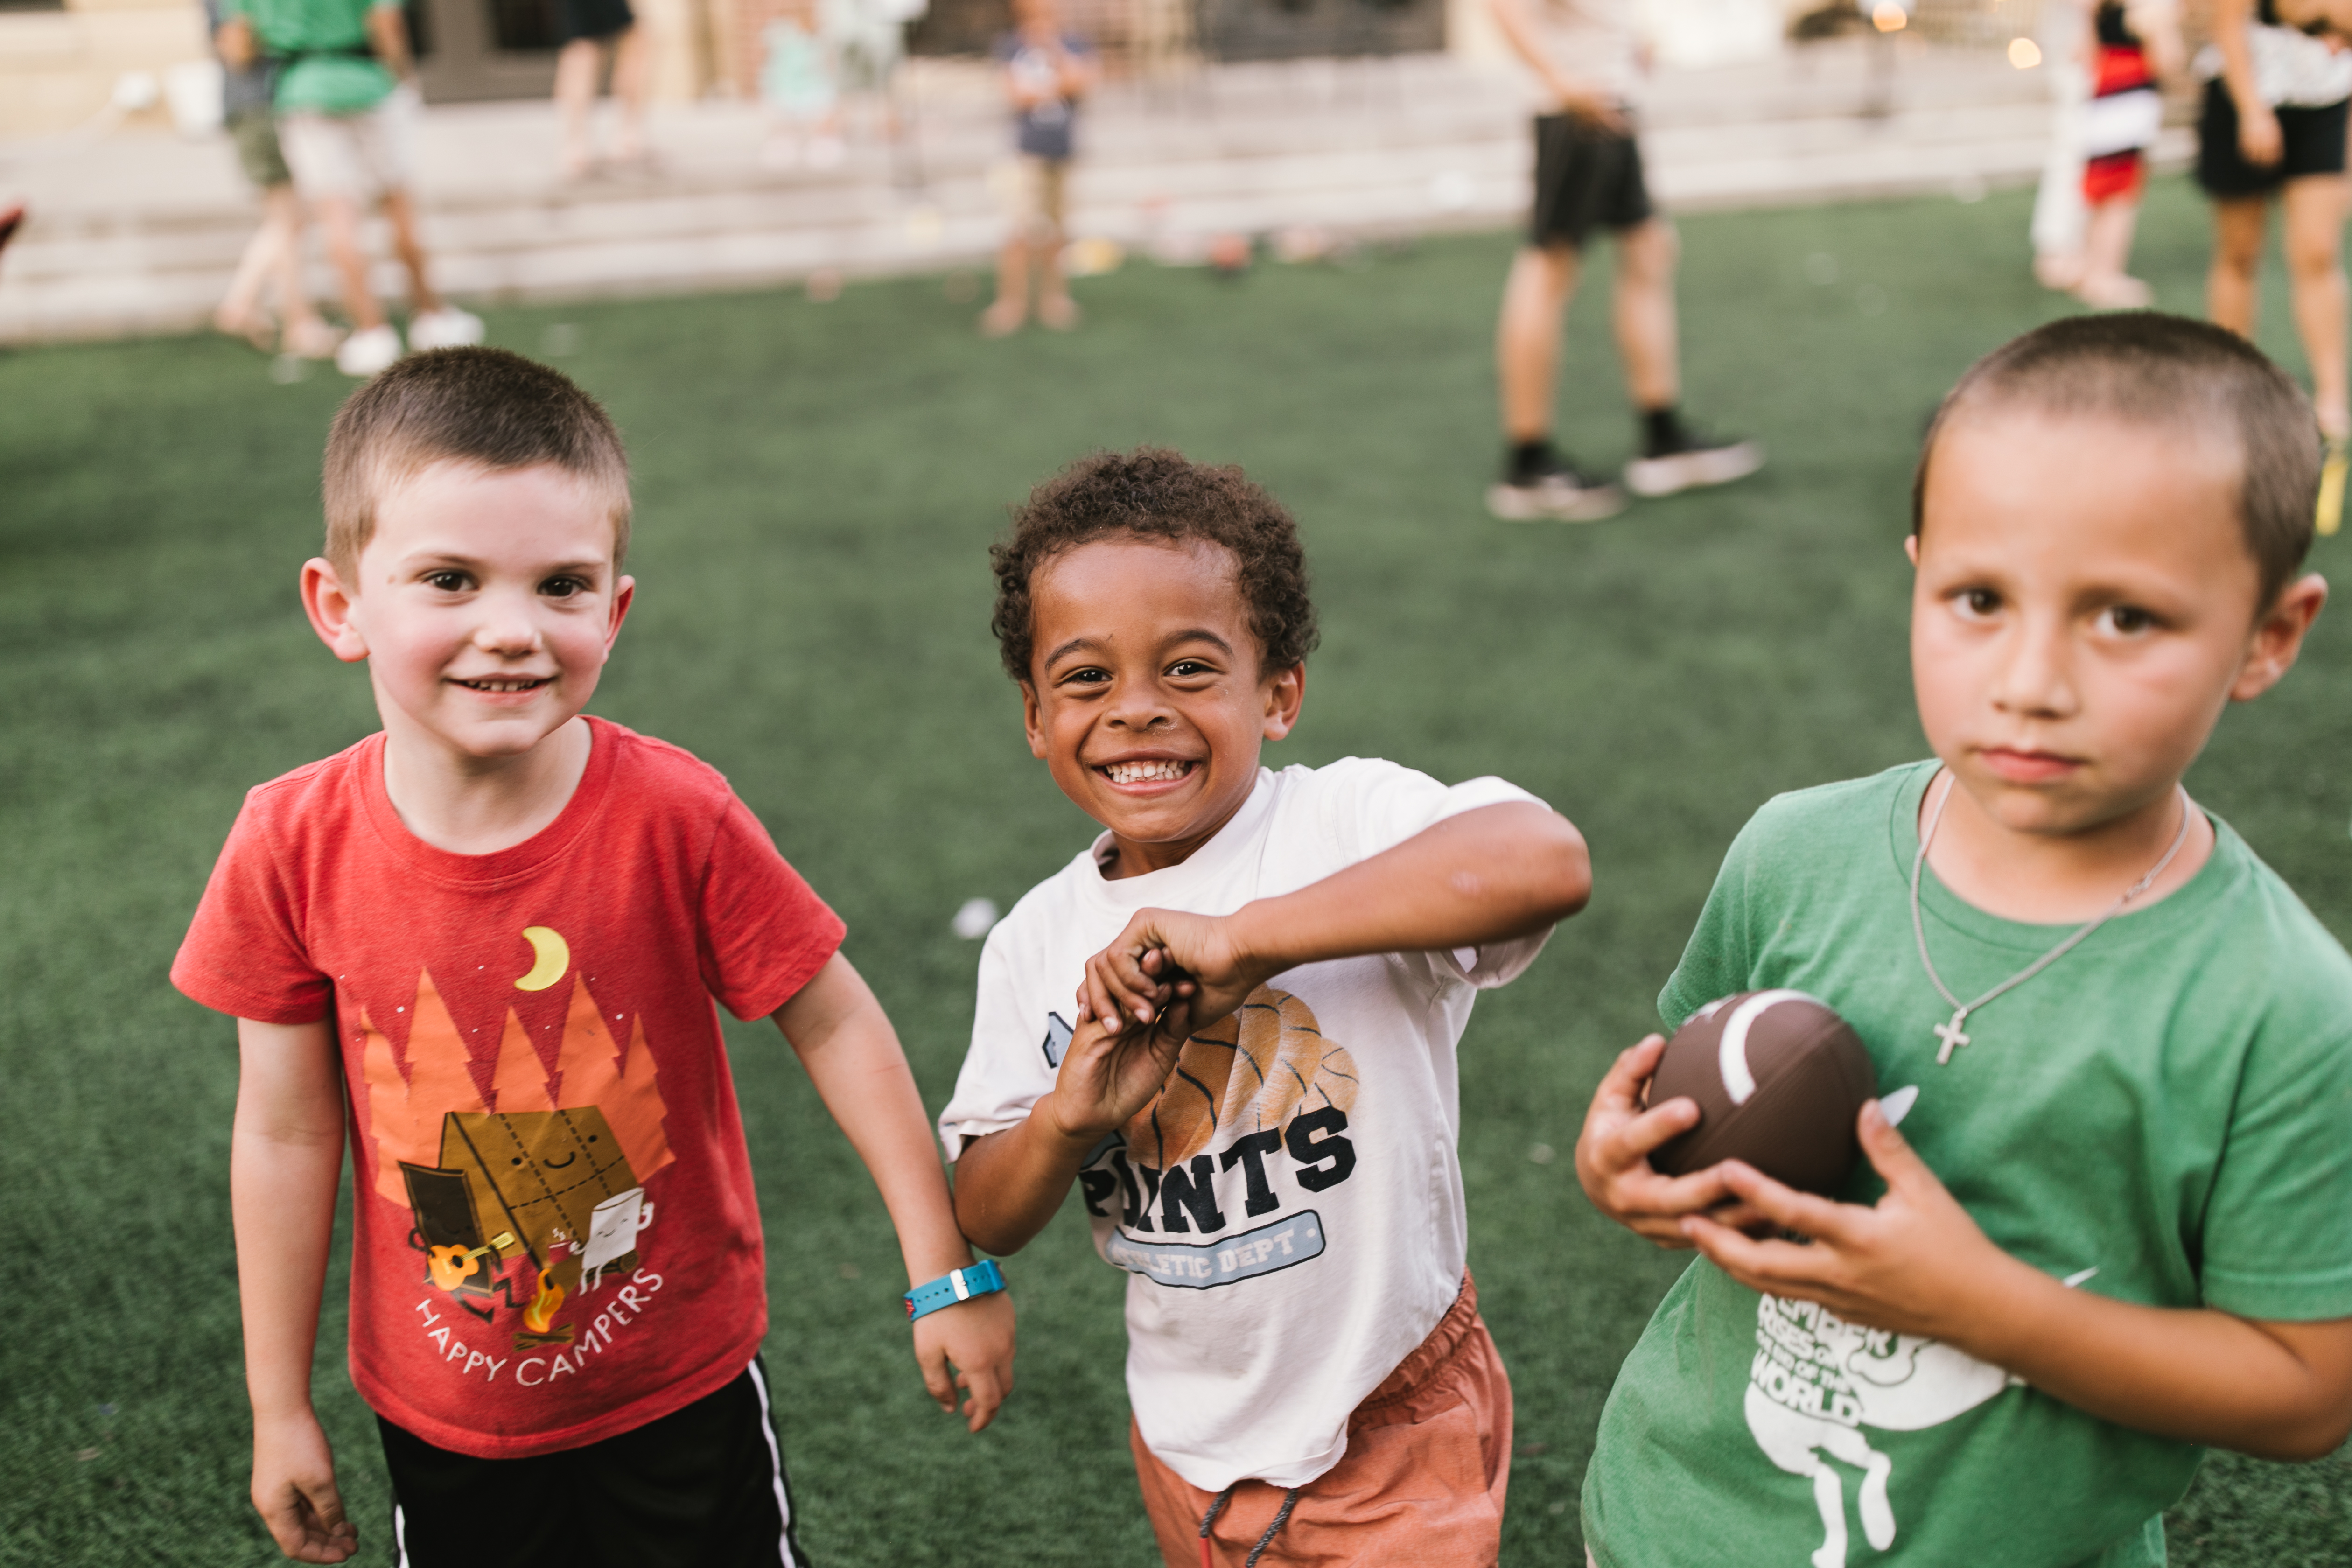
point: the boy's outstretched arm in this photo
(1915, 1263)
(852, 1055)
(1488, 875)
(286, 1158)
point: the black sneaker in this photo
(1692, 458)
(1555, 492)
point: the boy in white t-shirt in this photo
(1233, 1021)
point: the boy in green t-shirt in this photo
(2117, 1227)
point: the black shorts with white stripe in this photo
(701, 1487)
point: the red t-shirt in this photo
(558, 1238)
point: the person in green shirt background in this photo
(2116, 1225)
(347, 105)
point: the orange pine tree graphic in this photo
(405, 1110)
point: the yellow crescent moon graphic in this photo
(553, 956)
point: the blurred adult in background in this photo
(1589, 177)
(347, 103)
(274, 255)
(2121, 50)
(2278, 88)
(1048, 72)
(591, 30)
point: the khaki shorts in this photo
(1034, 193)
(357, 157)
(255, 132)
(1428, 1461)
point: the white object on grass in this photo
(975, 919)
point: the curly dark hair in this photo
(1157, 494)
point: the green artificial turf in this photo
(817, 484)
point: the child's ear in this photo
(1282, 691)
(2278, 637)
(1911, 549)
(329, 605)
(1032, 721)
(625, 594)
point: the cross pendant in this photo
(1951, 1036)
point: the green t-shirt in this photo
(325, 42)
(2163, 1116)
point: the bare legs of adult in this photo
(339, 222)
(2315, 269)
(400, 211)
(633, 78)
(1534, 302)
(2233, 282)
(577, 66)
(2315, 207)
(1526, 337)
(1540, 483)
(1648, 340)
(432, 322)
(274, 258)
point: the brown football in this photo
(1779, 1078)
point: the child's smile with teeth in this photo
(1145, 657)
(511, 568)
(1146, 772)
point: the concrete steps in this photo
(140, 233)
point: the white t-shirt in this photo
(1291, 1209)
(1593, 41)
(2292, 69)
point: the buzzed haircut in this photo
(1161, 497)
(2142, 367)
(487, 407)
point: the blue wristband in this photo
(980, 1280)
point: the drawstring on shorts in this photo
(1217, 1506)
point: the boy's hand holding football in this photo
(1914, 1262)
(1612, 1157)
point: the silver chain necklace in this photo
(1950, 1034)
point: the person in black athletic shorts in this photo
(1587, 177)
(2279, 84)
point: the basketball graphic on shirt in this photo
(1255, 1068)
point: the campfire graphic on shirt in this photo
(529, 1195)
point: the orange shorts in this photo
(1422, 1484)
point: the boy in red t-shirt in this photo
(500, 926)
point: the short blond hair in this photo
(484, 406)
